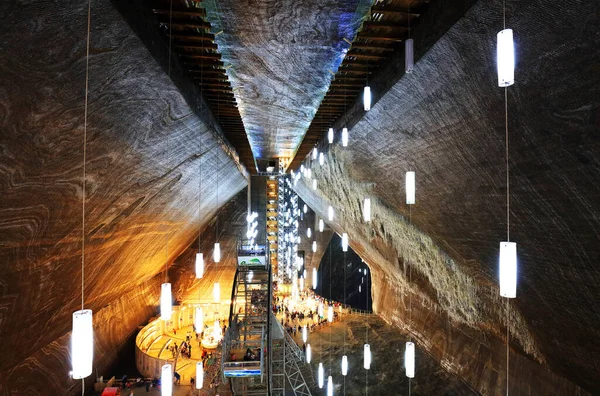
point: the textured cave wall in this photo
(145, 150)
(186, 288)
(445, 121)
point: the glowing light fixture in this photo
(314, 183)
(410, 188)
(345, 137)
(166, 307)
(199, 320)
(367, 98)
(314, 278)
(330, 213)
(321, 309)
(314, 246)
(308, 353)
(345, 242)
(199, 265)
(304, 334)
(82, 344)
(217, 292)
(508, 269)
(166, 380)
(367, 210)
(344, 365)
(217, 253)
(505, 52)
(330, 314)
(321, 225)
(305, 208)
(321, 375)
(308, 232)
(199, 375)
(367, 356)
(330, 135)
(315, 153)
(301, 281)
(321, 158)
(409, 56)
(409, 359)
(329, 386)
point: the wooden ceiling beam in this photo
(385, 25)
(379, 37)
(193, 36)
(364, 56)
(190, 24)
(181, 12)
(395, 11)
(368, 47)
(204, 46)
(206, 55)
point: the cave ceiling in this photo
(281, 55)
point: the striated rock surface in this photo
(145, 150)
(281, 53)
(232, 223)
(445, 122)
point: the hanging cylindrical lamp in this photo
(330, 135)
(308, 353)
(217, 252)
(360, 288)
(166, 380)
(344, 242)
(505, 53)
(330, 213)
(314, 278)
(329, 386)
(82, 344)
(217, 292)
(304, 334)
(314, 246)
(367, 98)
(321, 225)
(410, 188)
(199, 375)
(301, 281)
(345, 137)
(308, 173)
(305, 208)
(314, 184)
(344, 365)
(409, 56)
(409, 359)
(321, 158)
(166, 302)
(367, 210)
(508, 269)
(308, 232)
(315, 153)
(367, 356)
(321, 309)
(199, 320)
(330, 314)
(321, 375)
(199, 265)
